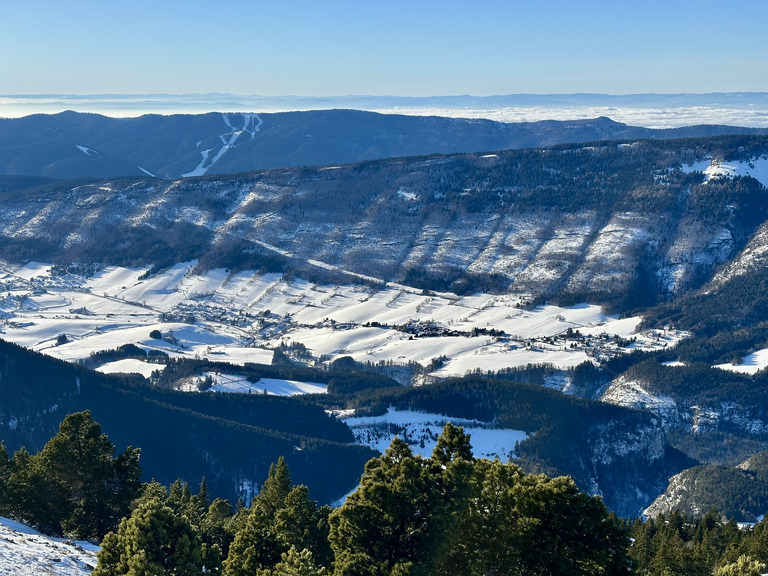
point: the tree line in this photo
(446, 515)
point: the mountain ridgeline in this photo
(75, 145)
(625, 224)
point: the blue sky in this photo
(414, 48)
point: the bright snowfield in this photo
(25, 552)
(222, 382)
(751, 364)
(420, 431)
(239, 318)
(757, 168)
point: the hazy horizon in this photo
(652, 110)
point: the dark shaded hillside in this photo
(230, 441)
(72, 145)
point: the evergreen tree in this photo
(186, 495)
(175, 491)
(525, 524)
(152, 490)
(295, 563)
(256, 545)
(154, 540)
(451, 468)
(203, 498)
(74, 485)
(744, 566)
(402, 517)
(22, 488)
(275, 489)
(216, 526)
(300, 524)
(486, 543)
(86, 488)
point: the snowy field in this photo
(751, 364)
(244, 317)
(25, 552)
(420, 430)
(757, 168)
(223, 382)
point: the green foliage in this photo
(254, 547)
(526, 524)
(744, 566)
(679, 545)
(303, 526)
(452, 515)
(385, 524)
(154, 540)
(258, 545)
(295, 563)
(74, 485)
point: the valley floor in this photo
(244, 317)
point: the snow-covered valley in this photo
(244, 317)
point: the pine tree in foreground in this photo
(154, 540)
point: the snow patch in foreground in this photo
(420, 430)
(26, 551)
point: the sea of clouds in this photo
(649, 110)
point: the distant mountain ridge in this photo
(75, 145)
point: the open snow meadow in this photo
(243, 317)
(421, 430)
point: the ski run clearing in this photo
(244, 317)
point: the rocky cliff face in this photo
(736, 492)
(629, 466)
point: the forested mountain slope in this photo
(72, 145)
(230, 440)
(625, 224)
